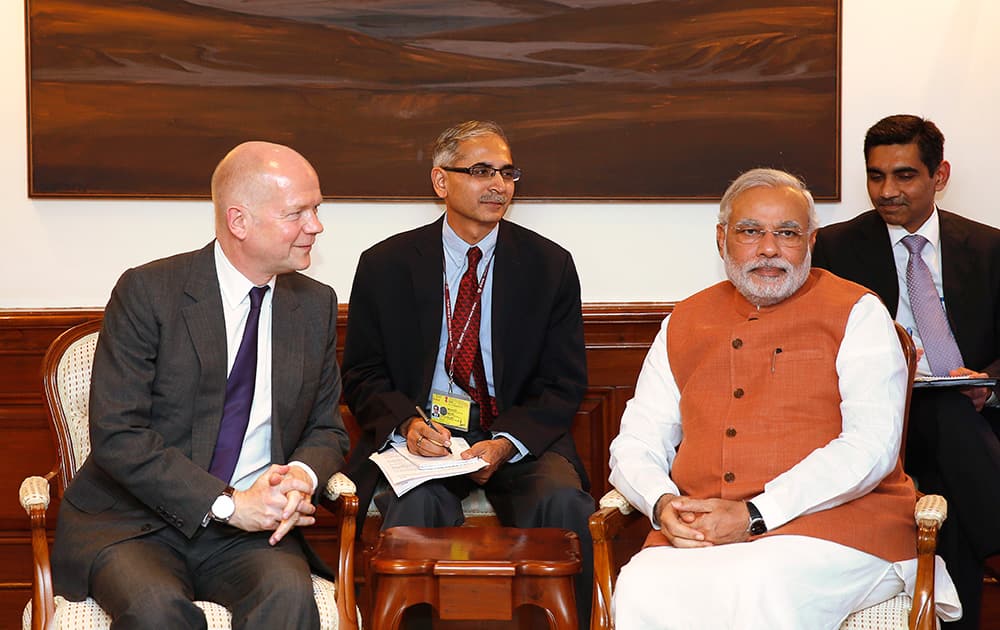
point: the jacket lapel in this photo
(426, 274)
(207, 328)
(956, 268)
(288, 330)
(506, 274)
(874, 252)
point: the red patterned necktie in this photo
(463, 356)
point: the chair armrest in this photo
(614, 516)
(34, 497)
(930, 513)
(340, 497)
(337, 485)
(34, 492)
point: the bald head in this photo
(251, 174)
(266, 198)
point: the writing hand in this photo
(428, 440)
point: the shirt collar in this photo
(234, 286)
(457, 249)
(931, 230)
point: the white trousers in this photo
(773, 583)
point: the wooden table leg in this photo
(554, 595)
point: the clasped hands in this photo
(432, 441)
(278, 500)
(688, 522)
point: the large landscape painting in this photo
(601, 99)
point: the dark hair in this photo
(907, 129)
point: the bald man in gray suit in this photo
(145, 527)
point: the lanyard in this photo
(447, 307)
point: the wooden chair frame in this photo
(619, 530)
(338, 497)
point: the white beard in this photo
(761, 291)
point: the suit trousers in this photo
(151, 581)
(542, 492)
(953, 450)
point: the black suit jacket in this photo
(860, 250)
(394, 327)
(156, 401)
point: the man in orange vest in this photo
(787, 506)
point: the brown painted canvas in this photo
(601, 99)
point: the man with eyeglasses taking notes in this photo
(787, 386)
(478, 321)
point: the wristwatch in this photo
(224, 506)
(756, 527)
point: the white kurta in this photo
(779, 581)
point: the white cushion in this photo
(892, 614)
(87, 615)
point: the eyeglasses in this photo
(485, 171)
(785, 237)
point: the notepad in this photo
(405, 470)
(953, 381)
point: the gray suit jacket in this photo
(156, 404)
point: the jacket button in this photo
(737, 343)
(738, 393)
(731, 432)
(729, 477)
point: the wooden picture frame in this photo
(601, 99)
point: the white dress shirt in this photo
(255, 455)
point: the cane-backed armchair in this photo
(619, 530)
(66, 377)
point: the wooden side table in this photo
(475, 573)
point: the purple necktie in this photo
(940, 348)
(239, 395)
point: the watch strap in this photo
(756, 526)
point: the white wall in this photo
(936, 59)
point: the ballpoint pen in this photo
(428, 422)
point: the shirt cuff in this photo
(522, 450)
(771, 513)
(993, 400)
(309, 471)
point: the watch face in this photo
(223, 508)
(757, 527)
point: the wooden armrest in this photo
(34, 497)
(606, 524)
(340, 497)
(930, 513)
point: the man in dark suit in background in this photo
(487, 314)
(952, 446)
(196, 477)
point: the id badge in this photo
(451, 409)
